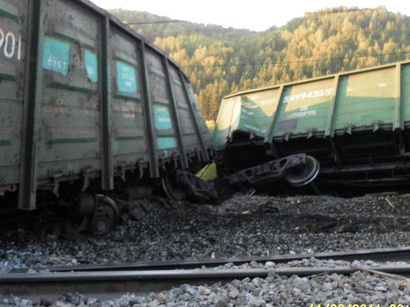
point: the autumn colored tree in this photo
(220, 61)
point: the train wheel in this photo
(172, 187)
(303, 174)
(106, 215)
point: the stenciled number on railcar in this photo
(54, 62)
(10, 44)
(308, 95)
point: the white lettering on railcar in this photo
(54, 62)
(303, 114)
(10, 44)
(308, 95)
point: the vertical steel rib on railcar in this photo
(86, 105)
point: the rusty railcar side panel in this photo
(85, 98)
(70, 98)
(198, 124)
(166, 141)
(128, 131)
(187, 118)
(13, 57)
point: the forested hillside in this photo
(220, 61)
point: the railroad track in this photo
(379, 254)
(106, 282)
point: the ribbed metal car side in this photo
(84, 98)
(13, 41)
(349, 121)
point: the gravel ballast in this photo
(239, 227)
(326, 289)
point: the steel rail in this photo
(110, 284)
(380, 255)
(192, 274)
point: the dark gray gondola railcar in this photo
(88, 106)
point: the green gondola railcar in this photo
(356, 124)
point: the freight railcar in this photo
(90, 113)
(355, 125)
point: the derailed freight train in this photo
(91, 115)
(354, 128)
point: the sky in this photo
(256, 15)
